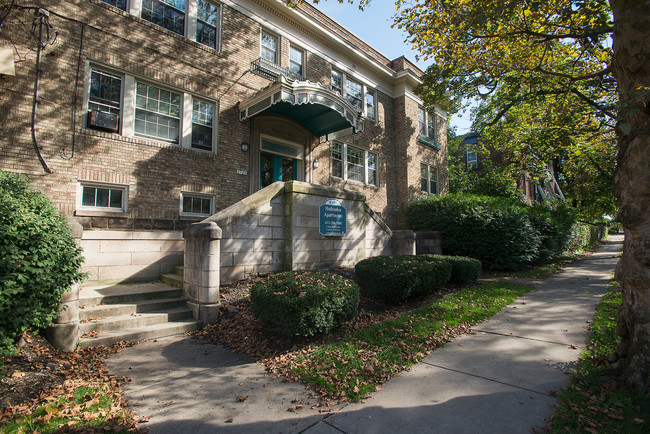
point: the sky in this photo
(373, 25)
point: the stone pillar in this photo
(404, 242)
(202, 263)
(64, 334)
(428, 242)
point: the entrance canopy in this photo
(322, 111)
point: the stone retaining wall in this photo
(277, 228)
(130, 256)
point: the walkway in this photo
(500, 379)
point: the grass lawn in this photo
(361, 362)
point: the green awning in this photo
(322, 111)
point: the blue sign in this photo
(333, 219)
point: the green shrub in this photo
(395, 279)
(464, 270)
(304, 303)
(554, 223)
(496, 231)
(585, 236)
(40, 260)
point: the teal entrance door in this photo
(274, 167)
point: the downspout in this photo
(42, 16)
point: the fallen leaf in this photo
(242, 398)
(167, 404)
(229, 420)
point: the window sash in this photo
(370, 104)
(296, 57)
(354, 93)
(105, 92)
(207, 23)
(360, 165)
(120, 4)
(269, 47)
(428, 179)
(102, 197)
(169, 14)
(337, 82)
(422, 127)
(196, 205)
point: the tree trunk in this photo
(631, 66)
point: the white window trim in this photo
(365, 89)
(344, 162)
(474, 160)
(304, 58)
(125, 196)
(127, 109)
(427, 118)
(134, 7)
(429, 167)
(277, 39)
(212, 198)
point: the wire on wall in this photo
(63, 152)
(42, 16)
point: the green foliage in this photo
(358, 364)
(304, 303)
(554, 223)
(40, 260)
(594, 397)
(585, 236)
(497, 231)
(395, 279)
(464, 270)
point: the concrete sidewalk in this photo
(500, 379)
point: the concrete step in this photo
(134, 320)
(141, 306)
(173, 280)
(135, 334)
(179, 270)
(115, 294)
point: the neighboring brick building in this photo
(153, 114)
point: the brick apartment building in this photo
(154, 114)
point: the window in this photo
(105, 92)
(207, 24)
(422, 122)
(169, 14)
(103, 197)
(371, 112)
(428, 179)
(359, 165)
(157, 112)
(427, 133)
(472, 160)
(151, 111)
(269, 47)
(354, 93)
(359, 95)
(197, 204)
(121, 4)
(202, 121)
(296, 59)
(337, 82)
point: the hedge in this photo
(303, 303)
(464, 270)
(496, 231)
(40, 260)
(395, 279)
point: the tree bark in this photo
(631, 66)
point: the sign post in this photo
(333, 219)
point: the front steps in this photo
(109, 314)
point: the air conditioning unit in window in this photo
(105, 121)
